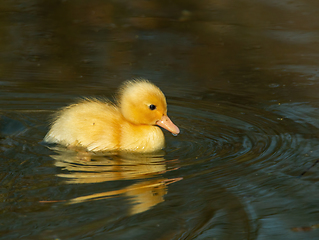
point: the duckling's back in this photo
(90, 123)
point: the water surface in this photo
(241, 80)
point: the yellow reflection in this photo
(85, 167)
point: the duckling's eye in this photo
(152, 107)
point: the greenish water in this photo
(241, 80)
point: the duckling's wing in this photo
(90, 123)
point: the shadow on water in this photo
(241, 83)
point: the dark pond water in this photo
(241, 80)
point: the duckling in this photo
(129, 125)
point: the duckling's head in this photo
(142, 103)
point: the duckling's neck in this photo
(141, 138)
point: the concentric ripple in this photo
(227, 135)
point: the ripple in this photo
(226, 135)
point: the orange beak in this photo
(166, 123)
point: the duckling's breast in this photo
(141, 138)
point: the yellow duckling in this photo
(130, 125)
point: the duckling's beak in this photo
(166, 123)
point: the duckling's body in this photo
(127, 126)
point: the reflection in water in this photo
(87, 168)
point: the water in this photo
(241, 80)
